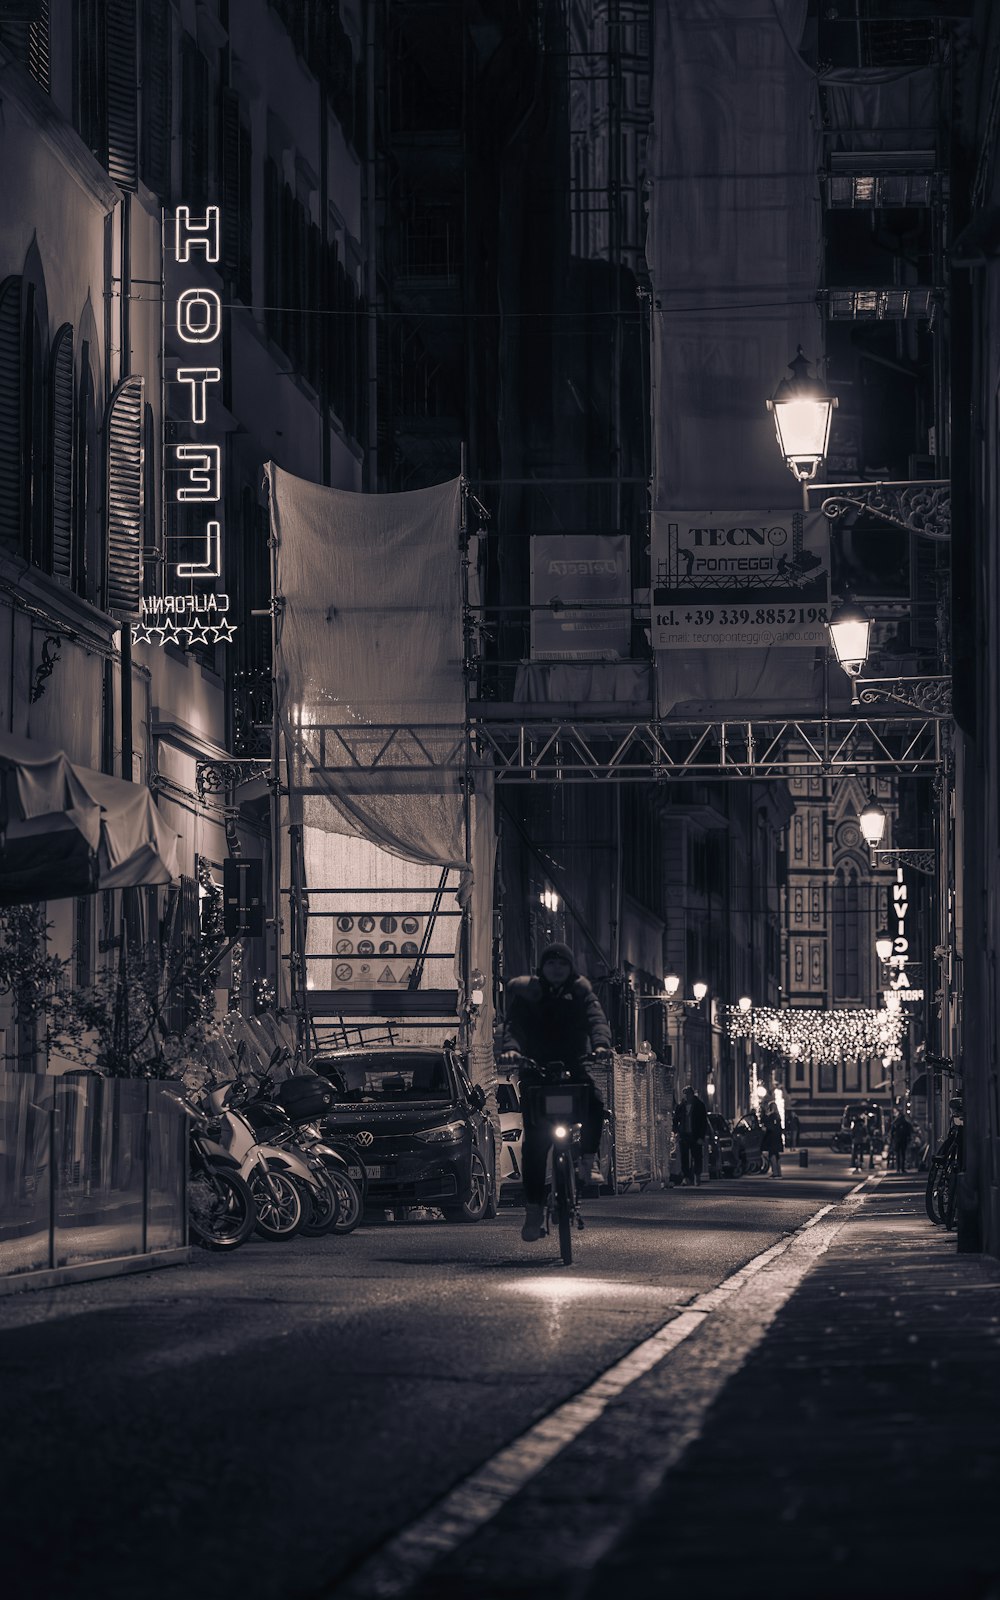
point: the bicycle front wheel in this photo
(930, 1193)
(564, 1205)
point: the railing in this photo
(92, 1170)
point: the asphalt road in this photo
(258, 1425)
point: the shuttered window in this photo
(24, 32)
(236, 197)
(120, 65)
(33, 440)
(196, 125)
(126, 503)
(11, 422)
(87, 578)
(61, 425)
(156, 97)
(105, 94)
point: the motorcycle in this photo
(270, 1108)
(281, 1181)
(220, 1207)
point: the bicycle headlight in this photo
(560, 1131)
(447, 1133)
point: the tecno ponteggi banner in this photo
(739, 579)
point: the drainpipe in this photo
(371, 263)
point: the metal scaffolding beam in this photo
(403, 758)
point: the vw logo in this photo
(364, 1138)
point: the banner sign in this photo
(375, 952)
(192, 608)
(739, 579)
(579, 577)
(901, 981)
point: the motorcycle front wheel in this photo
(351, 1203)
(326, 1207)
(279, 1204)
(221, 1210)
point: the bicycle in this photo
(561, 1104)
(941, 1194)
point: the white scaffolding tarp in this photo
(371, 702)
(370, 688)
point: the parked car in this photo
(748, 1140)
(720, 1147)
(511, 1131)
(419, 1126)
(843, 1139)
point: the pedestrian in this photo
(860, 1141)
(773, 1141)
(691, 1128)
(900, 1134)
(791, 1128)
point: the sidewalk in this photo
(857, 1453)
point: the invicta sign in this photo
(193, 608)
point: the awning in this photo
(68, 830)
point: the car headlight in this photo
(446, 1134)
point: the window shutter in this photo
(61, 434)
(120, 69)
(195, 136)
(125, 496)
(156, 97)
(24, 30)
(11, 423)
(230, 183)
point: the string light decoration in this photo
(823, 1036)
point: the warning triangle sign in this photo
(407, 975)
(387, 975)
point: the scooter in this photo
(280, 1179)
(272, 1122)
(220, 1208)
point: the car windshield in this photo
(390, 1078)
(718, 1122)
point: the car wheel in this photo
(476, 1204)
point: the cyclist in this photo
(554, 1015)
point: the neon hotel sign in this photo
(195, 609)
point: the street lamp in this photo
(850, 636)
(745, 1003)
(671, 984)
(872, 822)
(699, 990)
(802, 412)
(549, 899)
(883, 945)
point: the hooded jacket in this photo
(554, 1024)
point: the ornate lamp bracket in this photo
(921, 506)
(218, 777)
(919, 860)
(929, 695)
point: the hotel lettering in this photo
(192, 607)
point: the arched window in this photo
(848, 933)
(62, 408)
(88, 565)
(11, 419)
(126, 499)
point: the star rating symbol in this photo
(142, 633)
(224, 631)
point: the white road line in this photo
(393, 1570)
